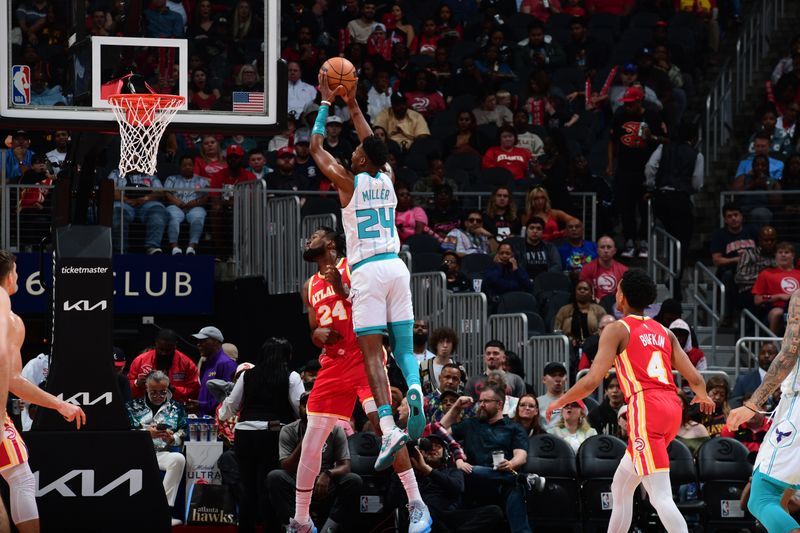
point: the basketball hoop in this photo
(142, 120)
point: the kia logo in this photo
(85, 305)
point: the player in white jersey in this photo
(776, 464)
(380, 285)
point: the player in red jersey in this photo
(644, 353)
(341, 381)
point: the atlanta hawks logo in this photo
(10, 432)
(638, 444)
(607, 282)
(789, 285)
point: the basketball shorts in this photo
(654, 417)
(381, 294)
(779, 454)
(13, 451)
(340, 382)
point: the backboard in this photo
(62, 60)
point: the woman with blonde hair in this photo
(210, 160)
(537, 204)
(573, 426)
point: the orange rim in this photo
(166, 101)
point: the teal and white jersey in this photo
(368, 219)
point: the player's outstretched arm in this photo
(333, 170)
(610, 340)
(5, 349)
(31, 393)
(781, 366)
(682, 363)
(363, 128)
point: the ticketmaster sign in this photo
(163, 285)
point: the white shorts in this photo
(381, 293)
(779, 454)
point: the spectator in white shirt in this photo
(300, 93)
(57, 155)
(379, 96)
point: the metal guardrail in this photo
(709, 295)
(512, 329)
(543, 349)
(728, 91)
(466, 313)
(249, 229)
(283, 245)
(783, 205)
(429, 296)
(746, 352)
(750, 323)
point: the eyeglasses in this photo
(157, 392)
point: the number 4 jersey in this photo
(368, 219)
(334, 312)
(646, 362)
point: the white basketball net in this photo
(142, 120)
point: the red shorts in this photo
(13, 451)
(654, 417)
(341, 381)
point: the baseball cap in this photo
(398, 97)
(379, 26)
(301, 138)
(334, 119)
(579, 403)
(242, 367)
(554, 367)
(119, 357)
(21, 133)
(448, 392)
(209, 332)
(623, 411)
(235, 149)
(286, 151)
(632, 94)
(680, 325)
(630, 68)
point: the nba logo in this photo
(21, 86)
(606, 503)
(364, 504)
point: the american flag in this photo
(248, 102)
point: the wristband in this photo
(755, 410)
(324, 102)
(322, 119)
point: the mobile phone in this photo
(162, 427)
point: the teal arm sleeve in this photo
(322, 119)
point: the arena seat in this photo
(723, 470)
(558, 505)
(598, 458)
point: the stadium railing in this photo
(747, 352)
(664, 259)
(512, 329)
(430, 298)
(728, 92)
(709, 295)
(784, 206)
(543, 349)
(467, 314)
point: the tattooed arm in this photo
(783, 364)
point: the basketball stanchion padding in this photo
(142, 119)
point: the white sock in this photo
(622, 488)
(410, 484)
(659, 490)
(317, 431)
(387, 424)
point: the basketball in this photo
(340, 72)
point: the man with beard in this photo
(751, 262)
(181, 371)
(482, 438)
(604, 274)
(341, 381)
(603, 418)
(421, 351)
(747, 383)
